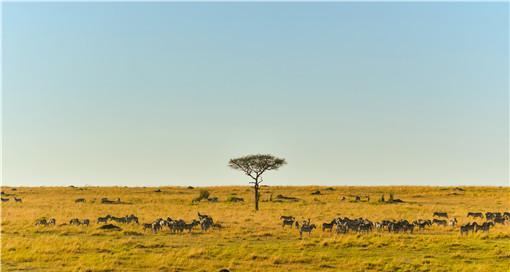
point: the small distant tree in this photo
(254, 166)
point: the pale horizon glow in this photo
(164, 94)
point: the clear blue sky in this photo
(166, 93)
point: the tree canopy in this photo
(255, 165)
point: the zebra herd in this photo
(204, 221)
(362, 225)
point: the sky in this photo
(153, 94)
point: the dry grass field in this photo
(249, 241)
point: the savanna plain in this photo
(249, 240)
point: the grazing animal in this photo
(4, 199)
(75, 221)
(147, 226)
(52, 221)
(85, 222)
(18, 199)
(452, 222)
(499, 220)
(306, 228)
(441, 214)
(190, 226)
(131, 218)
(287, 222)
(41, 221)
(217, 226)
(485, 227)
(464, 229)
(206, 221)
(329, 225)
(422, 224)
(103, 219)
(506, 215)
(475, 214)
(285, 217)
(440, 222)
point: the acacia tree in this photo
(254, 166)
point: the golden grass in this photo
(250, 241)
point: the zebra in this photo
(190, 226)
(440, 214)
(475, 214)
(85, 222)
(287, 222)
(422, 223)
(206, 223)
(52, 221)
(287, 217)
(328, 225)
(499, 220)
(103, 219)
(202, 216)
(156, 225)
(131, 218)
(118, 219)
(306, 228)
(147, 226)
(439, 222)
(464, 229)
(18, 199)
(41, 221)
(75, 221)
(453, 222)
(485, 227)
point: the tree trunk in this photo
(256, 186)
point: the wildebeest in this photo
(80, 200)
(4, 199)
(440, 214)
(18, 199)
(52, 221)
(75, 221)
(475, 214)
(440, 222)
